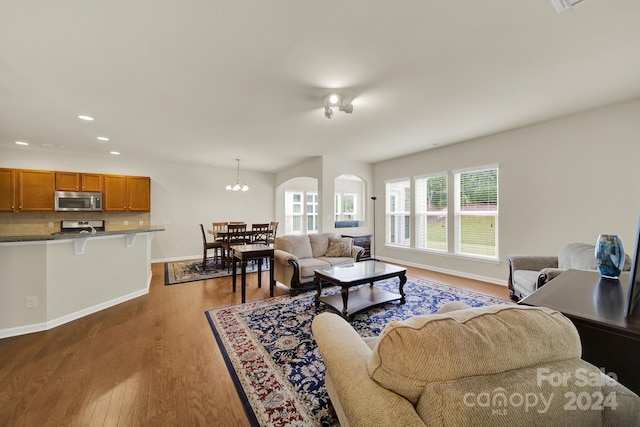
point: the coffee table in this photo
(359, 273)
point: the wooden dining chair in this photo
(260, 233)
(236, 235)
(273, 230)
(219, 227)
(208, 245)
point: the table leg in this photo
(259, 261)
(345, 299)
(233, 274)
(403, 280)
(318, 291)
(243, 273)
(272, 282)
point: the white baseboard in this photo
(44, 326)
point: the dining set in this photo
(237, 242)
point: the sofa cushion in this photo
(525, 280)
(480, 341)
(308, 265)
(577, 255)
(339, 247)
(320, 243)
(337, 260)
(297, 245)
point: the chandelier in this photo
(237, 186)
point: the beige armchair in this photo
(529, 272)
(468, 367)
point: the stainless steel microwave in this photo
(78, 201)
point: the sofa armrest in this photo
(548, 274)
(362, 400)
(357, 252)
(283, 257)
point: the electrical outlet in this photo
(32, 302)
(126, 222)
(50, 224)
(141, 222)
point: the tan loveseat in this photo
(297, 256)
(501, 365)
(529, 272)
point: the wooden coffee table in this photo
(348, 276)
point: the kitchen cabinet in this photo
(7, 190)
(35, 191)
(127, 193)
(73, 181)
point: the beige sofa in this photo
(297, 256)
(529, 272)
(501, 365)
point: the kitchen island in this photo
(48, 280)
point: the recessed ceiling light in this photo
(88, 118)
(334, 99)
(115, 153)
(22, 143)
(103, 138)
(53, 145)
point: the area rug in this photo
(191, 271)
(275, 363)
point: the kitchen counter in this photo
(63, 236)
(51, 279)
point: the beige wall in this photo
(560, 181)
(565, 180)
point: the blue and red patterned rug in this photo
(275, 363)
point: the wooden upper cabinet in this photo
(73, 181)
(7, 190)
(115, 193)
(139, 192)
(36, 190)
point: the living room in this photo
(563, 136)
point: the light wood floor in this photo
(152, 361)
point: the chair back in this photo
(237, 222)
(219, 227)
(236, 234)
(204, 236)
(260, 233)
(273, 230)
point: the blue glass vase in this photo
(610, 255)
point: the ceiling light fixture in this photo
(115, 153)
(22, 143)
(335, 100)
(103, 138)
(237, 186)
(87, 118)
(562, 5)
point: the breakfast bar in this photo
(49, 280)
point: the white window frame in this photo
(459, 214)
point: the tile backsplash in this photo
(38, 223)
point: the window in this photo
(346, 206)
(398, 208)
(312, 212)
(431, 212)
(476, 212)
(301, 212)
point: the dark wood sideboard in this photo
(596, 306)
(362, 240)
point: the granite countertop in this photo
(65, 236)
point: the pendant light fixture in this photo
(237, 186)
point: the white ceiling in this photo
(205, 82)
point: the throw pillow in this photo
(339, 247)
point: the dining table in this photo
(252, 252)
